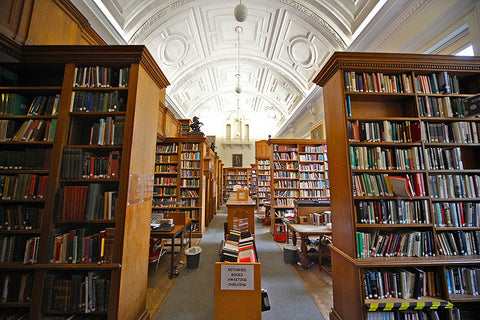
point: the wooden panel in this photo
(10, 15)
(171, 125)
(238, 304)
(262, 149)
(137, 216)
(339, 157)
(50, 25)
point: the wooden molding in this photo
(401, 62)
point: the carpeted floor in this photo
(192, 298)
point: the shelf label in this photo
(237, 277)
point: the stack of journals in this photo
(239, 247)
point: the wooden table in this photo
(304, 231)
(241, 210)
(177, 232)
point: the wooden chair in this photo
(157, 250)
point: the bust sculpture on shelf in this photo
(212, 146)
(195, 128)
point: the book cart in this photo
(403, 115)
(86, 229)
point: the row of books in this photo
(20, 217)
(190, 164)
(447, 107)
(395, 244)
(452, 132)
(312, 167)
(313, 184)
(463, 280)
(191, 202)
(12, 248)
(27, 131)
(313, 175)
(384, 131)
(108, 131)
(170, 202)
(162, 158)
(169, 181)
(404, 315)
(98, 101)
(314, 193)
(188, 183)
(167, 148)
(189, 173)
(190, 146)
(31, 250)
(313, 149)
(285, 213)
(85, 202)
(397, 211)
(377, 82)
(23, 186)
(16, 286)
(312, 157)
(457, 214)
(98, 77)
(78, 163)
(188, 193)
(444, 158)
(287, 193)
(400, 283)
(285, 202)
(77, 293)
(165, 191)
(285, 175)
(454, 186)
(26, 159)
(439, 82)
(322, 218)
(18, 105)
(378, 158)
(284, 148)
(458, 243)
(285, 165)
(285, 155)
(81, 246)
(165, 168)
(190, 156)
(239, 247)
(286, 184)
(383, 185)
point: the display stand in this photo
(238, 291)
(241, 210)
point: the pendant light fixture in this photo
(240, 12)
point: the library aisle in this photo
(192, 298)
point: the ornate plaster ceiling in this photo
(283, 45)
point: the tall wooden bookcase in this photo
(180, 181)
(376, 105)
(132, 109)
(298, 170)
(235, 176)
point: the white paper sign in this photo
(237, 277)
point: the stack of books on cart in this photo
(239, 247)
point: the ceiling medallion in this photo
(173, 50)
(302, 52)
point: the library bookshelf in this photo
(402, 115)
(235, 176)
(262, 160)
(98, 160)
(298, 170)
(180, 183)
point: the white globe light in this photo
(240, 12)
(238, 89)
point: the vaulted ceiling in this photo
(283, 45)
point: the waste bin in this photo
(193, 257)
(290, 254)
